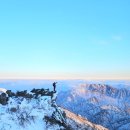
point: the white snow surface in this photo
(3, 90)
(29, 114)
(73, 118)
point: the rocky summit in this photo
(37, 110)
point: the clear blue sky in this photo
(87, 39)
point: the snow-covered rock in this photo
(39, 113)
(3, 90)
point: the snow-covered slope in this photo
(38, 112)
(78, 122)
(21, 113)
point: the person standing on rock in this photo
(54, 86)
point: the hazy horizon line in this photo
(64, 79)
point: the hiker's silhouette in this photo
(54, 86)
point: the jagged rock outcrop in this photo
(3, 99)
(3, 96)
(109, 90)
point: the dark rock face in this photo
(10, 93)
(23, 94)
(13, 109)
(3, 99)
(42, 92)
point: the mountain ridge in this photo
(106, 104)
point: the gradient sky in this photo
(69, 39)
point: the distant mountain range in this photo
(100, 103)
